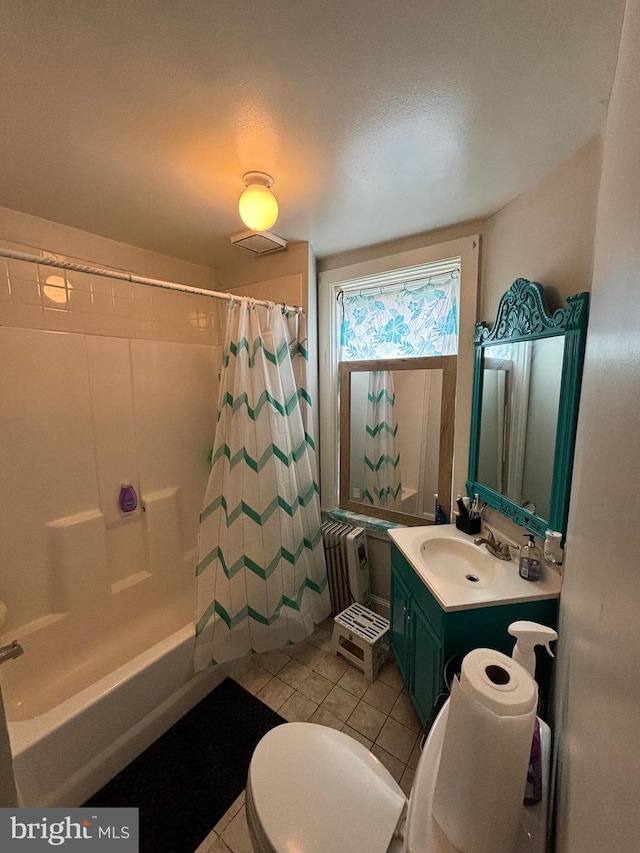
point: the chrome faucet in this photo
(501, 550)
(13, 650)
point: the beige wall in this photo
(545, 234)
(598, 681)
(281, 277)
(404, 244)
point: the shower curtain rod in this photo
(135, 279)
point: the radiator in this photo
(345, 549)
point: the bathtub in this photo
(66, 753)
(409, 501)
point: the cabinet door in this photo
(399, 633)
(427, 665)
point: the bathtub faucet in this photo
(13, 650)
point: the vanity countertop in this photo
(443, 558)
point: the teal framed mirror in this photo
(526, 393)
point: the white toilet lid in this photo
(316, 790)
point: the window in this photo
(414, 318)
(444, 275)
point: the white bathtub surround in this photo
(89, 588)
(262, 581)
(162, 528)
(67, 443)
(75, 543)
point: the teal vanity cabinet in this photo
(416, 635)
(424, 636)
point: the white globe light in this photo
(258, 207)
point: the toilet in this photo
(312, 789)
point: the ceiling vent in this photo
(258, 242)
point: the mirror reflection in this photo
(526, 392)
(519, 415)
(396, 437)
(394, 459)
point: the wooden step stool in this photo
(361, 637)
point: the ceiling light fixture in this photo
(258, 207)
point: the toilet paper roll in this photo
(485, 754)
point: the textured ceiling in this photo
(136, 119)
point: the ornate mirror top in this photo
(522, 314)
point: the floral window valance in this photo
(406, 320)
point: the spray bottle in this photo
(529, 635)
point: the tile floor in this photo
(305, 682)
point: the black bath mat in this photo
(185, 781)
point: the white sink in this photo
(462, 575)
(460, 562)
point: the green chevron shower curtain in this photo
(381, 450)
(261, 575)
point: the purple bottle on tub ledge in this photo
(128, 499)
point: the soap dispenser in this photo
(530, 566)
